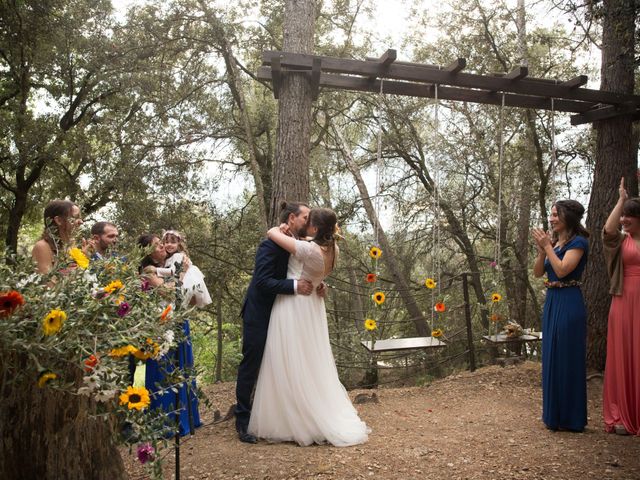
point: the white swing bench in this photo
(397, 344)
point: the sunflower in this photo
(430, 283)
(495, 317)
(122, 351)
(165, 313)
(378, 297)
(80, 258)
(150, 350)
(440, 307)
(52, 323)
(113, 286)
(375, 253)
(9, 301)
(371, 277)
(437, 333)
(135, 397)
(370, 324)
(496, 297)
(45, 378)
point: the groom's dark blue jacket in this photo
(269, 279)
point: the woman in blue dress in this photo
(563, 257)
(163, 395)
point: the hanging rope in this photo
(435, 262)
(497, 252)
(554, 158)
(379, 167)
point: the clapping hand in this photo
(622, 193)
(542, 239)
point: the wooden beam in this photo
(316, 70)
(362, 84)
(383, 63)
(456, 66)
(276, 77)
(517, 73)
(427, 75)
(604, 113)
(576, 82)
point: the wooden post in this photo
(467, 316)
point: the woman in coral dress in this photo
(621, 402)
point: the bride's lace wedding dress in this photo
(299, 396)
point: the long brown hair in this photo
(570, 212)
(325, 220)
(51, 233)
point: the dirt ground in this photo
(481, 425)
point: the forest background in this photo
(155, 119)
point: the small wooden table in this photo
(395, 344)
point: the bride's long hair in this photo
(325, 220)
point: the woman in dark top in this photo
(563, 256)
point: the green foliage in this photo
(77, 328)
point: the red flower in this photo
(440, 307)
(9, 301)
(371, 277)
(90, 363)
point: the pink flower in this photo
(123, 309)
(493, 264)
(145, 285)
(146, 453)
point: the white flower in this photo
(105, 395)
(169, 338)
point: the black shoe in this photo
(246, 437)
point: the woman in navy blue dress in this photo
(563, 257)
(170, 398)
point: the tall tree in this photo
(616, 156)
(291, 168)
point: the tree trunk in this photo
(614, 157)
(291, 169)
(388, 256)
(50, 435)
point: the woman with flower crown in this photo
(299, 396)
(61, 218)
(563, 257)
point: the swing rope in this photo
(379, 167)
(435, 261)
(497, 251)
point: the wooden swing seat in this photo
(394, 344)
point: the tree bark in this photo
(291, 169)
(51, 435)
(388, 255)
(615, 157)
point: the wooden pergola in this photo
(420, 80)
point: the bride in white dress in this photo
(299, 396)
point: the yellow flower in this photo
(113, 286)
(122, 351)
(378, 297)
(119, 300)
(135, 397)
(430, 283)
(52, 323)
(437, 333)
(370, 324)
(45, 378)
(375, 253)
(496, 297)
(80, 258)
(148, 351)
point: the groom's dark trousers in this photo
(269, 279)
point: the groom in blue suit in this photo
(269, 279)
